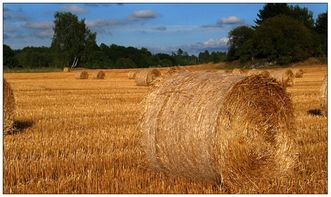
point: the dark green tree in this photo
(275, 9)
(204, 57)
(237, 37)
(321, 27)
(9, 59)
(35, 57)
(70, 39)
(302, 14)
(270, 10)
(283, 39)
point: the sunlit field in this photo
(81, 136)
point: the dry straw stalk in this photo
(146, 77)
(220, 128)
(83, 75)
(324, 96)
(9, 108)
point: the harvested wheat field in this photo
(83, 136)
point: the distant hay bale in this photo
(265, 73)
(324, 96)
(100, 75)
(174, 69)
(299, 73)
(236, 71)
(286, 78)
(216, 127)
(83, 75)
(228, 71)
(66, 69)
(146, 77)
(9, 108)
(132, 74)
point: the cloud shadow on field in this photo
(21, 125)
(314, 112)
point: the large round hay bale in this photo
(286, 78)
(215, 127)
(100, 75)
(146, 77)
(9, 108)
(299, 73)
(324, 96)
(66, 69)
(82, 75)
(131, 74)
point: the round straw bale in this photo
(324, 96)
(146, 77)
(131, 74)
(9, 108)
(286, 78)
(83, 75)
(299, 73)
(215, 127)
(66, 69)
(100, 75)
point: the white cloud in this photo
(160, 28)
(104, 22)
(39, 25)
(212, 43)
(45, 34)
(229, 20)
(14, 15)
(74, 9)
(143, 14)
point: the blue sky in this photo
(158, 27)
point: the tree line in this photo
(283, 34)
(74, 44)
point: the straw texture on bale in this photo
(9, 108)
(299, 73)
(146, 77)
(228, 71)
(324, 96)
(215, 127)
(131, 74)
(83, 75)
(100, 75)
(286, 78)
(66, 69)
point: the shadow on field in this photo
(314, 112)
(20, 126)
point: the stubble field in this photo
(81, 136)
